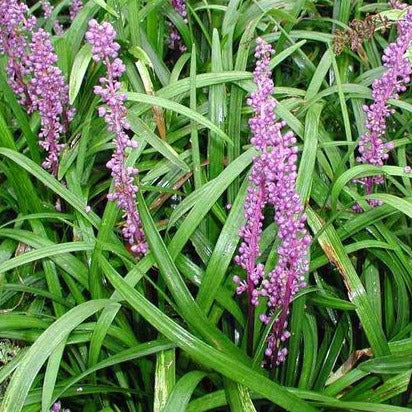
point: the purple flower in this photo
(105, 49)
(49, 95)
(273, 182)
(372, 148)
(262, 126)
(101, 37)
(396, 4)
(47, 8)
(58, 28)
(180, 7)
(75, 7)
(47, 11)
(57, 407)
(34, 77)
(175, 40)
(15, 28)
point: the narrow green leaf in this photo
(140, 128)
(310, 147)
(38, 353)
(182, 392)
(222, 253)
(178, 108)
(106, 7)
(333, 248)
(203, 353)
(80, 64)
(44, 252)
(165, 378)
(403, 205)
(181, 294)
(392, 364)
(360, 171)
(50, 376)
(50, 182)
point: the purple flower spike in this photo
(101, 37)
(180, 7)
(273, 182)
(396, 4)
(105, 49)
(262, 127)
(58, 28)
(175, 40)
(15, 28)
(75, 7)
(49, 95)
(34, 77)
(372, 148)
(47, 8)
(47, 12)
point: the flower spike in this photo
(105, 49)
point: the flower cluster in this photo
(105, 49)
(34, 76)
(273, 182)
(57, 407)
(372, 148)
(75, 7)
(180, 7)
(263, 128)
(47, 8)
(49, 95)
(175, 41)
(15, 29)
(47, 12)
(396, 4)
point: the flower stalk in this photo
(105, 50)
(372, 148)
(34, 77)
(272, 183)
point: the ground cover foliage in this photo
(85, 322)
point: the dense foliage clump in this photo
(205, 205)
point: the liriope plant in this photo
(260, 257)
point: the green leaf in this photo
(310, 147)
(44, 346)
(178, 108)
(205, 197)
(333, 248)
(80, 64)
(51, 375)
(403, 205)
(44, 252)
(182, 392)
(392, 364)
(358, 172)
(50, 182)
(165, 378)
(76, 31)
(140, 128)
(202, 352)
(181, 294)
(106, 7)
(284, 54)
(222, 253)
